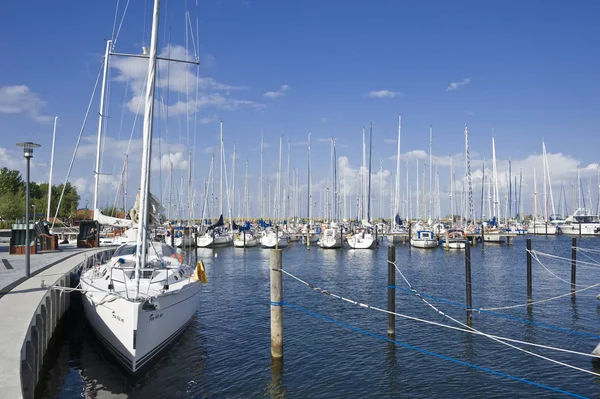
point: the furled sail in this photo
(154, 216)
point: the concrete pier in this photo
(29, 314)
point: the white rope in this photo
(120, 24)
(491, 336)
(87, 113)
(567, 260)
(469, 330)
(589, 257)
(534, 256)
(543, 300)
(596, 251)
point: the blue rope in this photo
(439, 356)
(277, 303)
(497, 314)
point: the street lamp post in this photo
(28, 153)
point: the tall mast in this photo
(521, 193)
(363, 171)
(407, 193)
(418, 205)
(246, 195)
(549, 179)
(495, 176)
(309, 213)
(222, 160)
(278, 193)
(143, 229)
(397, 196)
(233, 183)
(381, 188)
(171, 190)
(287, 190)
(51, 167)
(452, 189)
(431, 213)
(471, 205)
(100, 127)
(579, 204)
(369, 177)
(483, 213)
(424, 198)
(260, 182)
(535, 193)
(509, 214)
(335, 191)
(545, 210)
(189, 190)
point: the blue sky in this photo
(528, 70)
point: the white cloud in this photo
(324, 119)
(179, 160)
(383, 94)
(455, 85)
(20, 99)
(279, 93)
(193, 92)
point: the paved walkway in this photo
(19, 306)
(12, 267)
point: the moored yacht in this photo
(582, 222)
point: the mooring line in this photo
(439, 356)
(537, 259)
(505, 316)
(543, 300)
(467, 329)
(590, 265)
(490, 336)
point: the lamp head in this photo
(28, 148)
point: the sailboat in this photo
(144, 296)
(245, 237)
(364, 238)
(397, 231)
(543, 225)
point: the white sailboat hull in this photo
(357, 241)
(493, 237)
(271, 242)
(423, 243)
(249, 242)
(208, 241)
(136, 336)
(542, 229)
(587, 229)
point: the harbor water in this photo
(336, 349)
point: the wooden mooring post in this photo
(529, 278)
(276, 305)
(573, 264)
(469, 298)
(391, 330)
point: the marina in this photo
(337, 347)
(258, 199)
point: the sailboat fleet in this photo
(145, 295)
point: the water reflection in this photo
(275, 388)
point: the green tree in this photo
(12, 206)
(10, 181)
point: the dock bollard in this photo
(469, 298)
(573, 263)
(276, 305)
(529, 278)
(391, 290)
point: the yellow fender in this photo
(200, 273)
